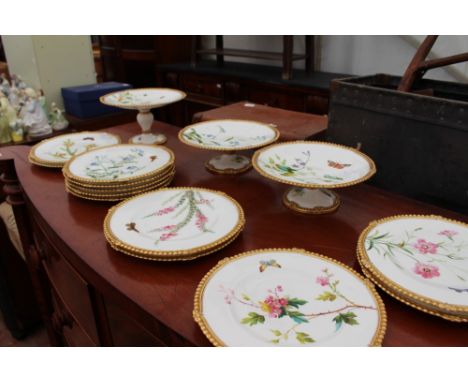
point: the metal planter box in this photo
(419, 142)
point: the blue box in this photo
(83, 101)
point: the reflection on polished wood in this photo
(107, 298)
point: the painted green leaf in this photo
(277, 333)
(298, 317)
(253, 319)
(347, 318)
(296, 302)
(245, 297)
(275, 341)
(304, 338)
(327, 296)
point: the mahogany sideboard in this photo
(92, 295)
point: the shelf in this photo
(250, 54)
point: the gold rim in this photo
(175, 258)
(115, 198)
(78, 179)
(216, 341)
(141, 106)
(448, 317)
(204, 147)
(146, 253)
(34, 159)
(378, 275)
(119, 192)
(372, 167)
(311, 211)
(139, 183)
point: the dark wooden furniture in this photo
(132, 59)
(419, 65)
(292, 125)
(287, 56)
(93, 295)
(209, 86)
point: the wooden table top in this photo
(292, 125)
(165, 291)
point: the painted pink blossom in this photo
(168, 235)
(201, 221)
(322, 280)
(164, 211)
(448, 232)
(168, 227)
(279, 288)
(273, 306)
(425, 247)
(427, 271)
(228, 294)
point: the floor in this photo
(37, 338)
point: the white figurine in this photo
(33, 114)
(56, 118)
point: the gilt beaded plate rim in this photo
(204, 325)
(229, 149)
(405, 293)
(34, 159)
(238, 227)
(129, 179)
(261, 171)
(148, 106)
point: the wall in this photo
(359, 55)
(51, 62)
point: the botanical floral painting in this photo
(186, 208)
(70, 148)
(223, 139)
(106, 167)
(130, 98)
(278, 305)
(426, 259)
(301, 169)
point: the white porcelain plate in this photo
(288, 297)
(145, 98)
(425, 256)
(187, 220)
(313, 164)
(58, 150)
(119, 163)
(228, 134)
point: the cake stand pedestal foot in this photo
(228, 164)
(311, 201)
(145, 120)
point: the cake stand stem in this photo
(145, 120)
(311, 201)
(231, 163)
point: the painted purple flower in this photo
(448, 232)
(427, 271)
(228, 294)
(425, 247)
(279, 288)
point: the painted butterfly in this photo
(338, 165)
(269, 263)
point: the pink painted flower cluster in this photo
(448, 232)
(166, 236)
(324, 280)
(201, 221)
(274, 303)
(164, 211)
(425, 247)
(168, 227)
(427, 271)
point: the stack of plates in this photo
(179, 223)
(288, 297)
(420, 260)
(119, 172)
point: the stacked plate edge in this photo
(421, 260)
(118, 172)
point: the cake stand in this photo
(144, 100)
(313, 168)
(228, 136)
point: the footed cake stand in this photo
(144, 100)
(313, 168)
(228, 136)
